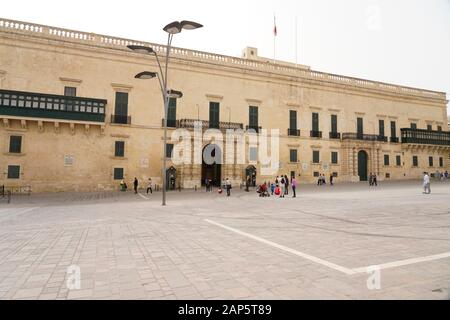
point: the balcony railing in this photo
(316, 134)
(364, 137)
(335, 135)
(119, 119)
(254, 128)
(294, 132)
(40, 105)
(419, 136)
(171, 123)
(395, 140)
(189, 124)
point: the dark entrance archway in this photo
(171, 178)
(362, 165)
(212, 171)
(251, 172)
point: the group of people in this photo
(280, 187)
(124, 186)
(373, 180)
(321, 180)
(441, 176)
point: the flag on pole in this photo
(274, 26)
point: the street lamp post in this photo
(172, 29)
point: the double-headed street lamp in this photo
(172, 29)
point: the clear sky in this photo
(399, 41)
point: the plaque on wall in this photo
(145, 163)
(304, 166)
(68, 160)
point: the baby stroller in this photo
(263, 192)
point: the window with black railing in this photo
(40, 105)
(315, 134)
(294, 132)
(120, 119)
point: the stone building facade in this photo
(73, 117)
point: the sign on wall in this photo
(69, 160)
(304, 166)
(145, 163)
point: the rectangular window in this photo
(386, 159)
(253, 154)
(393, 129)
(430, 161)
(121, 107)
(292, 174)
(70, 91)
(293, 156)
(15, 144)
(334, 157)
(172, 113)
(169, 150)
(316, 174)
(430, 127)
(316, 156)
(439, 128)
(334, 128)
(360, 126)
(293, 120)
(441, 162)
(253, 117)
(13, 172)
(415, 161)
(118, 173)
(398, 161)
(119, 149)
(381, 128)
(214, 115)
(414, 126)
(315, 121)
(335, 174)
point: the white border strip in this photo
(405, 262)
(286, 249)
(330, 264)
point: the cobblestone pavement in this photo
(208, 246)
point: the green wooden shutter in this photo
(334, 123)
(315, 122)
(172, 113)
(121, 107)
(293, 120)
(360, 126)
(214, 114)
(393, 129)
(381, 128)
(120, 149)
(15, 144)
(253, 117)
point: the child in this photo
(272, 188)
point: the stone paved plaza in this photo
(207, 246)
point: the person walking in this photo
(136, 184)
(370, 180)
(272, 188)
(228, 186)
(374, 180)
(294, 186)
(286, 183)
(426, 183)
(331, 180)
(150, 186)
(282, 187)
(247, 184)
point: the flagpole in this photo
(296, 41)
(274, 36)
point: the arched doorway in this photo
(362, 165)
(171, 178)
(211, 166)
(251, 172)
